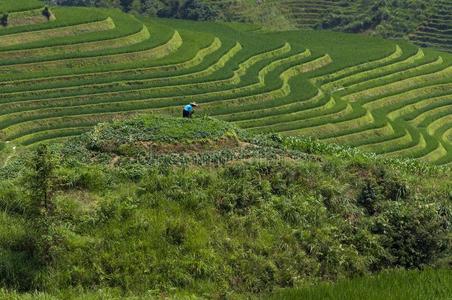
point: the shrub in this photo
(11, 200)
(176, 232)
(368, 198)
(414, 233)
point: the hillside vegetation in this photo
(158, 206)
(427, 23)
(61, 77)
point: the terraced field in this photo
(309, 13)
(437, 30)
(59, 78)
(16, 13)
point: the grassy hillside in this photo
(60, 78)
(158, 206)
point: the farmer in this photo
(189, 109)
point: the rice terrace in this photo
(317, 162)
(60, 77)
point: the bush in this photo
(415, 234)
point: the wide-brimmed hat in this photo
(194, 104)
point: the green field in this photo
(59, 78)
(398, 285)
(9, 6)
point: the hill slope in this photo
(61, 77)
(159, 206)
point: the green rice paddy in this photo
(61, 77)
(393, 285)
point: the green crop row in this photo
(31, 127)
(154, 53)
(135, 38)
(379, 132)
(411, 94)
(281, 92)
(447, 136)
(402, 74)
(280, 107)
(418, 105)
(289, 116)
(385, 146)
(10, 6)
(28, 17)
(125, 25)
(121, 92)
(147, 92)
(50, 135)
(435, 155)
(358, 68)
(331, 128)
(433, 127)
(361, 137)
(406, 152)
(243, 117)
(92, 88)
(372, 73)
(77, 80)
(32, 36)
(336, 113)
(400, 86)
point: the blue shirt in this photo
(188, 108)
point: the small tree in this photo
(368, 197)
(40, 181)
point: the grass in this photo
(33, 36)
(14, 6)
(400, 285)
(172, 196)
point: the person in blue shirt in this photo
(189, 109)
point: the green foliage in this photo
(405, 230)
(40, 181)
(200, 206)
(367, 198)
(123, 223)
(185, 9)
(158, 129)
